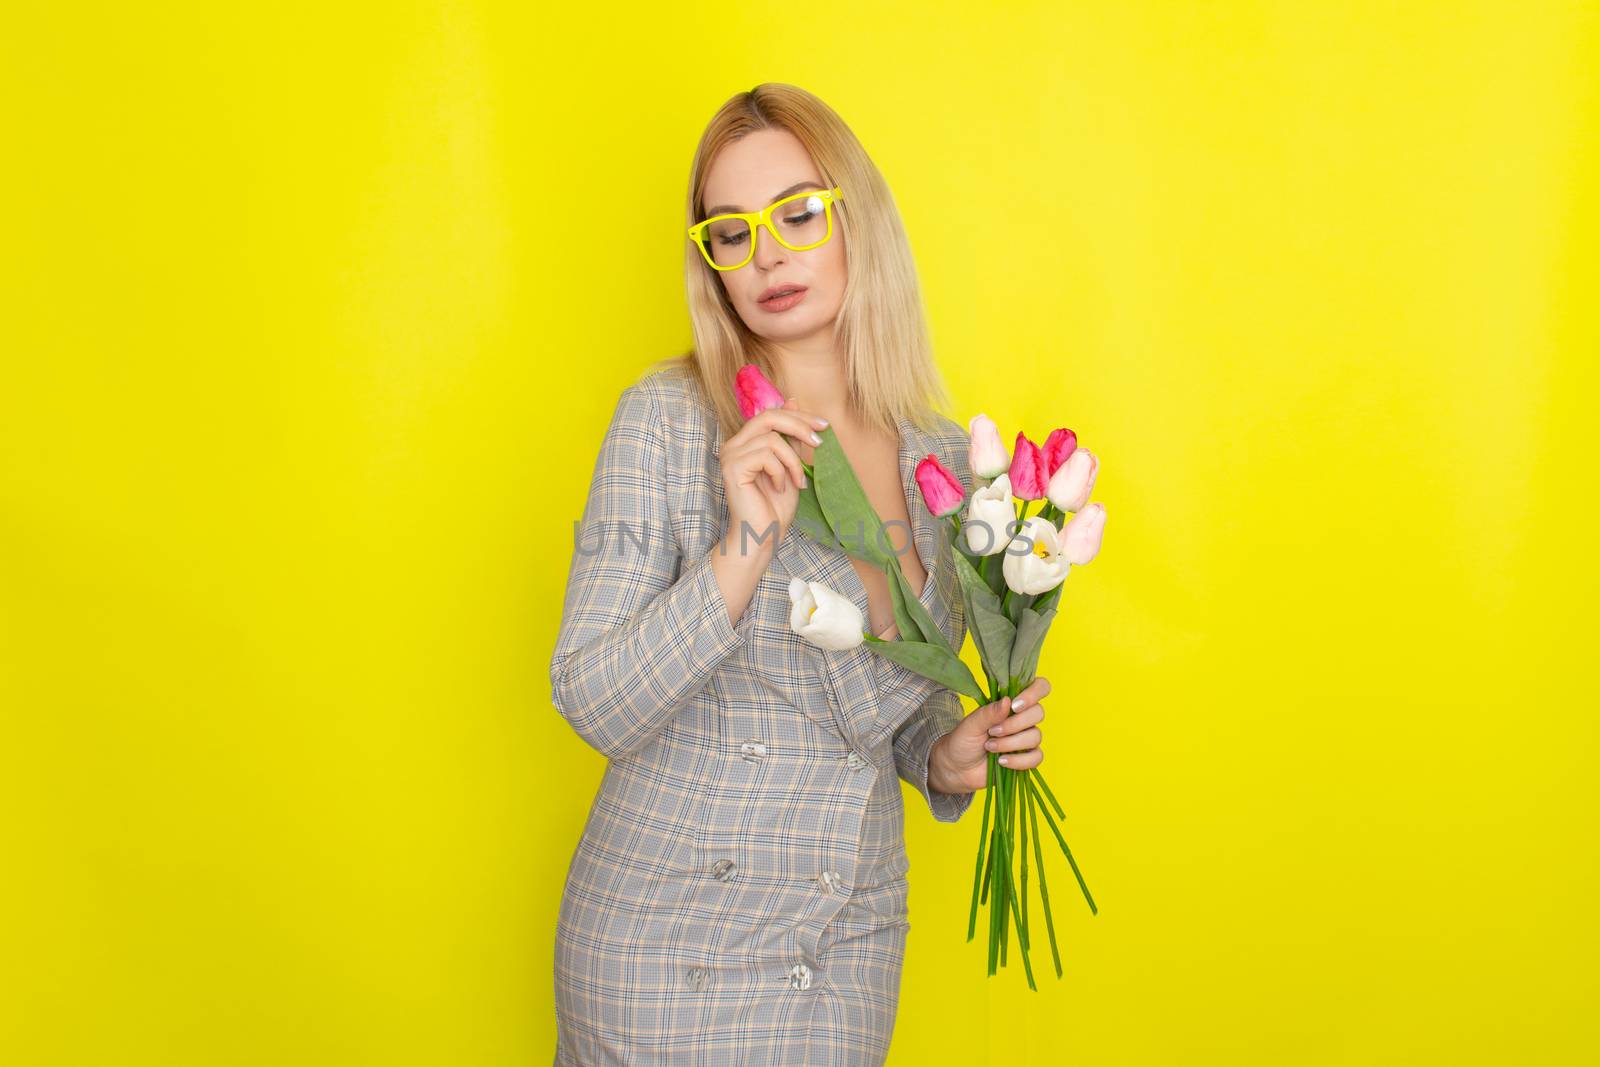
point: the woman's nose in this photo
(769, 253)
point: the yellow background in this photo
(313, 316)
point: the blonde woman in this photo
(739, 891)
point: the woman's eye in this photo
(799, 220)
(739, 239)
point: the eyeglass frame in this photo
(757, 219)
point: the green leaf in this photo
(931, 661)
(915, 609)
(991, 631)
(850, 515)
(1053, 597)
(1031, 629)
(900, 597)
(809, 518)
(991, 568)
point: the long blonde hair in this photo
(882, 329)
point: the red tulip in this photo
(1057, 447)
(1028, 478)
(941, 490)
(756, 394)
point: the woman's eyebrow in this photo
(795, 188)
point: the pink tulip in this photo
(1028, 480)
(1080, 538)
(1070, 484)
(1057, 447)
(756, 394)
(941, 490)
(986, 455)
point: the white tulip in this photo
(1042, 567)
(990, 515)
(824, 617)
(986, 453)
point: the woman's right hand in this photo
(762, 475)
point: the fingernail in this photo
(815, 439)
(995, 729)
(1017, 703)
(1002, 759)
(821, 421)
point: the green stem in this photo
(977, 871)
(1044, 887)
(1038, 776)
(1074, 863)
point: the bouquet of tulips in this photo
(1010, 566)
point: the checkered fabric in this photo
(739, 892)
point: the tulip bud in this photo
(1081, 536)
(990, 516)
(1057, 447)
(941, 490)
(823, 617)
(1072, 481)
(1028, 478)
(756, 394)
(986, 455)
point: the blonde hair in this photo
(882, 329)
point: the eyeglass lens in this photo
(798, 222)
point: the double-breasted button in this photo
(799, 977)
(724, 869)
(855, 761)
(696, 977)
(752, 751)
(828, 881)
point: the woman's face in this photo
(748, 174)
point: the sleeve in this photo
(642, 631)
(914, 740)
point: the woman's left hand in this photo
(959, 762)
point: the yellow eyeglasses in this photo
(798, 222)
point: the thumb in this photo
(991, 714)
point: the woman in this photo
(739, 891)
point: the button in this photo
(855, 761)
(753, 751)
(799, 977)
(828, 881)
(696, 978)
(724, 869)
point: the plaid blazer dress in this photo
(738, 894)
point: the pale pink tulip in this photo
(986, 454)
(756, 394)
(1072, 481)
(1028, 478)
(1080, 538)
(941, 490)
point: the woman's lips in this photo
(783, 303)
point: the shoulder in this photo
(951, 443)
(668, 408)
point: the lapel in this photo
(853, 676)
